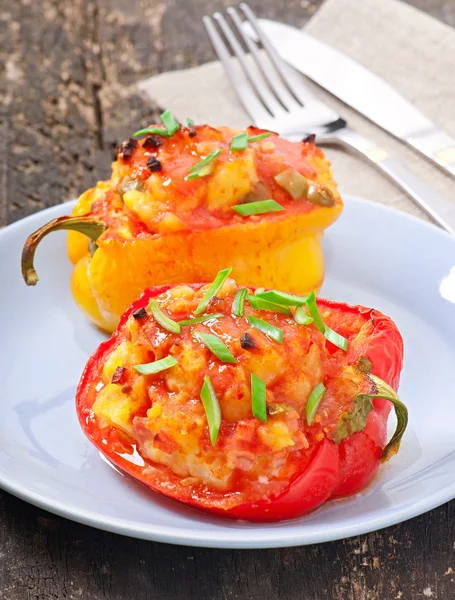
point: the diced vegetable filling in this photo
(199, 177)
(227, 395)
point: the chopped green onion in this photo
(212, 409)
(329, 334)
(215, 345)
(269, 330)
(258, 398)
(282, 298)
(203, 172)
(336, 338)
(239, 142)
(204, 161)
(238, 306)
(261, 304)
(314, 312)
(213, 290)
(162, 319)
(152, 131)
(169, 122)
(300, 316)
(314, 400)
(261, 136)
(189, 122)
(201, 319)
(259, 291)
(257, 208)
(156, 367)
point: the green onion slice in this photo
(329, 334)
(261, 136)
(258, 398)
(169, 122)
(201, 319)
(257, 208)
(212, 409)
(205, 161)
(336, 338)
(282, 298)
(314, 312)
(189, 122)
(215, 345)
(261, 304)
(259, 291)
(162, 319)
(269, 330)
(238, 306)
(213, 290)
(314, 400)
(152, 130)
(156, 367)
(300, 316)
(239, 142)
(201, 173)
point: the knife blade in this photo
(361, 89)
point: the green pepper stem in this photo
(388, 393)
(89, 226)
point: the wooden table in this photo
(68, 100)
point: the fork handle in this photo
(434, 204)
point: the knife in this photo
(361, 89)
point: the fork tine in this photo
(239, 82)
(263, 91)
(275, 83)
(292, 80)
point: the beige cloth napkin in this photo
(410, 50)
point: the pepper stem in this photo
(89, 226)
(388, 393)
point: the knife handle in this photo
(439, 208)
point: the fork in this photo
(277, 98)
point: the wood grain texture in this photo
(67, 99)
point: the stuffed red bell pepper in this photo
(252, 404)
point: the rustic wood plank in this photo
(66, 101)
(60, 133)
(44, 556)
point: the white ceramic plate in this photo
(375, 256)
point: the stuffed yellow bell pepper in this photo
(185, 201)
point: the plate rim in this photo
(229, 538)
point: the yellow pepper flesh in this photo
(284, 253)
